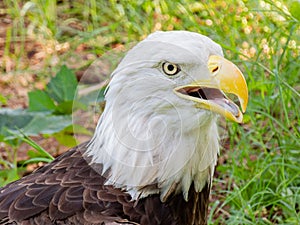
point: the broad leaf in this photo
(68, 107)
(47, 124)
(40, 101)
(65, 107)
(9, 175)
(65, 139)
(66, 136)
(11, 119)
(78, 129)
(31, 123)
(62, 87)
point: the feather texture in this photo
(80, 197)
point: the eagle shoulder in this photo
(65, 189)
(69, 191)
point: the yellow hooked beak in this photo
(210, 94)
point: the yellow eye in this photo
(170, 68)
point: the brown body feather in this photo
(69, 191)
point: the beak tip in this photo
(243, 109)
(244, 102)
(239, 119)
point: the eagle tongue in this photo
(227, 104)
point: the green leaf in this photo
(11, 119)
(31, 123)
(78, 129)
(65, 139)
(65, 107)
(3, 100)
(32, 153)
(68, 107)
(47, 124)
(40, 101)
(295, 9)
(40, 150)
(37, 160)
(8, 175)
(63, 86)
(66, 136)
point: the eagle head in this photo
(158, 132)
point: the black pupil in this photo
(171, 67)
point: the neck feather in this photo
(155, 153)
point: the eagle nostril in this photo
(215, 69)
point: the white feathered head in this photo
(158, 132)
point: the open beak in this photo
(210, 94)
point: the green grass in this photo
(260, 179)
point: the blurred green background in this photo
(257, 180)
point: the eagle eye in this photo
(170, 69)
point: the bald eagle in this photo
(153, 153)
